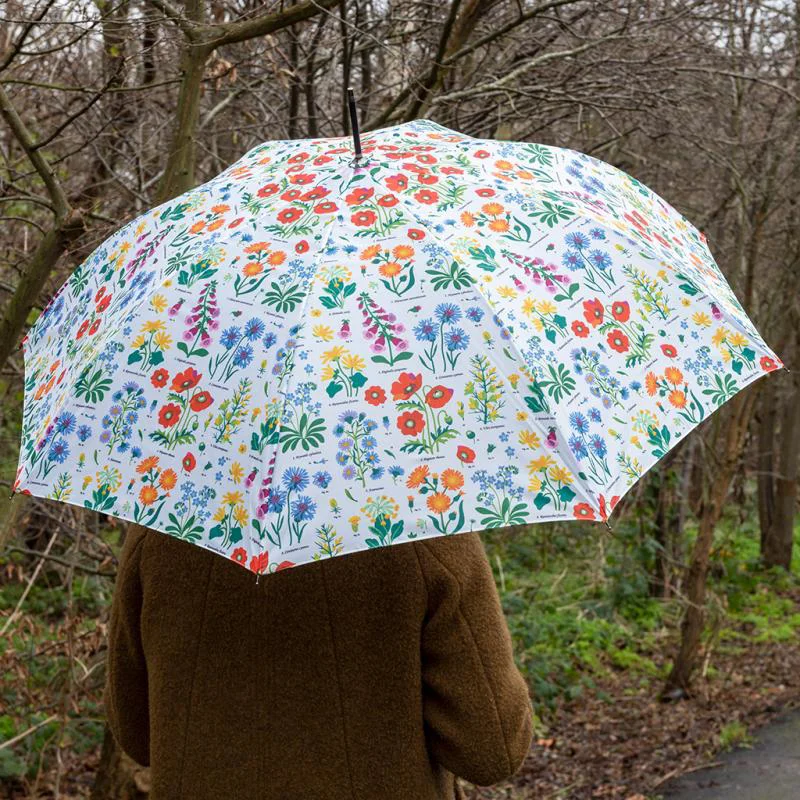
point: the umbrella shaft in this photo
(351, 102)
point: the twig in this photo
(63, 561)
(685, 772)
(30, 730)
(33, 577)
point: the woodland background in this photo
(647, 648)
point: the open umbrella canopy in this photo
(309, 356)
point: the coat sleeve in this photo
(126, 698)
(476, 704)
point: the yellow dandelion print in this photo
(153, 325)
(546, 307)
(720, 335)
(540, 464)
(507, 292)
(323, 333)
(528, 306)
(162, 340)
(334, 354)
(560, 474)
(353, 362)
(530, 439)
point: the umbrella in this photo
(313, 354)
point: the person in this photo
(377, 675)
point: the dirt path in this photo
(770, 770)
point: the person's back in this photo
(372, 676)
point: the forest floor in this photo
(622, 743)
(616, 740)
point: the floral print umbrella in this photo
(307, 356)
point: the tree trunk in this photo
(766, 462)
(736, 424)
(118, 777)
(33, 280)
(659, 579)
(776, 550)
(178, 174)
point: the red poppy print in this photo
(317, 193)
(159, 378)
(260, 563)
(188, 379)
(768, 364)
(406, 385)
(397, 183)
(410, 423)
(200, 401)
(593, 312)
(375, 396)
(359, 196)
(580, 329)
(169, 415)
(618, 341)
(189, 462)
(620, 310)
(466, 455)
(426, 196)
(583, 511)
(438, 396)
(363, 219)
(289, 215)
(606, 510)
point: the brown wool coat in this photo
(376, 676)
